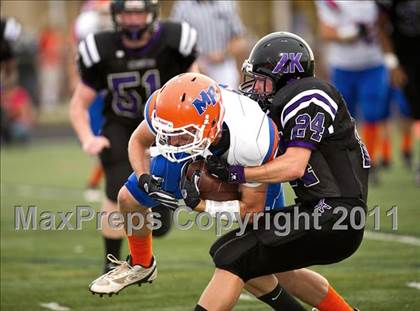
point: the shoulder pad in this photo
(94, 47)
(301, 94)
(180, 36)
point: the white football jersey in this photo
(363, 53)
(253, 135)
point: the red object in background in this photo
(49, 47)
(16, 102)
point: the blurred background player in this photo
(17, 116)
(130, 63)
(95, 16)
(400, 37)
(220, 41)
(356, 62)
(395, 102)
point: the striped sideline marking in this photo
(415, 285)
(389, 237)
(54, 306)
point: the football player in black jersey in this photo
(323, 159)
(129, 64)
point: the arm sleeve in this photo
(261, 148)
(89, 61)
(308, 118)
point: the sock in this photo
(370, 133)
(112, 246)
(141, 250)
(406, 143)
(386, 150)
(199, 308)
(95, 176)
(279, 299)
(333, 302)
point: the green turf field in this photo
(56, 266)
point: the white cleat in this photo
(122, 276)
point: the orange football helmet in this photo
(187, 116)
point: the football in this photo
(210, 187)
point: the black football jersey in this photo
(130, 76)
(311, 113)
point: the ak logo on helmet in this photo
(206, 98)
(289, 63)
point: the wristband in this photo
(236, 174)
(231, 208)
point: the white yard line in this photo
(390, 237)
(39, 190)
(415, 285)
(54, 306)
(43, 192)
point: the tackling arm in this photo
(289, 166)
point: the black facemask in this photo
(134, 33)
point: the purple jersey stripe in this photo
(305, 99)
(303, 144)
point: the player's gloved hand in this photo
(225, 172)
(190, 192)
(152, 186)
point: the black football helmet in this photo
(275, 60)
(135, 32)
